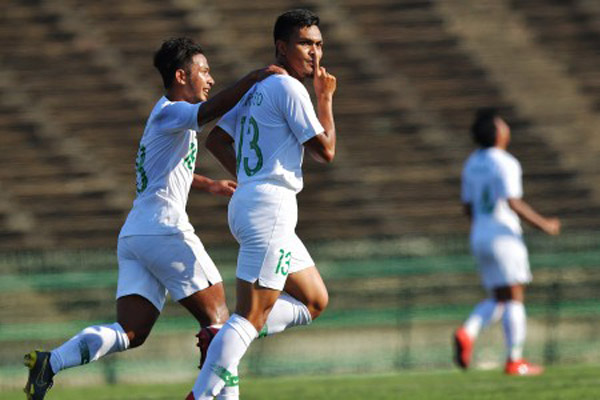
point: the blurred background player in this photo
(262, 141)
(158, 252)
(492, 196)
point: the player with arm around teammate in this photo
(492, 195)
(158, 252)
(262, 142)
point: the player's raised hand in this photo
(222, 188)
(324, 83)
(269, 70)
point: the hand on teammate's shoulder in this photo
(269, 70)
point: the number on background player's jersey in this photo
(487, 200)
(140, 172)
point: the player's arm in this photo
(322, 146)
(220, 144)
(227, 98)
(550, 226)
(217, 187)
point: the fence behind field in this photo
(394, 304)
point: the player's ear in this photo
(281, 48)
(180, 76)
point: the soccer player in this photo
(492, 196)
(262, 141)
(158, 252)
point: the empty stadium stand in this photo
(77, 83)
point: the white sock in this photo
(89, 345)
(485, 313)
(228, 392)
(286, 313)
(225, 351)
(515, 328)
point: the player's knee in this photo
(318, 304)
(137, 338)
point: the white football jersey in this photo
(164, 170)
(490, 177)
(269, 126)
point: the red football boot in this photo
(522, 367)
(463, 348)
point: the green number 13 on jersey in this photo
(253, 145)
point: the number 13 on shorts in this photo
(283, 265)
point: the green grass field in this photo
(558, 383)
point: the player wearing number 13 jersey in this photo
(492, 194)
(158, 251)
(262, 142)
(269, 127)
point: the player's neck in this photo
(176, 93)
(171, 96)
(291, 72)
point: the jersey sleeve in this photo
(510, 182)
(178, 116)
(294, 102)
(229, 120)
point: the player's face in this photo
(199, 80)
(299, 52)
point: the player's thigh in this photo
(304, 281)
(135, 279)
(180, 263)
(502, 262)
(513, 260)
(263, 222)
(308, 287)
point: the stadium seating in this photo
(78, 83)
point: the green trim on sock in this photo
(263, 332)
(229, 379)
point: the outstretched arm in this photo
(551, 226)
(220, 144)
(227, 98)
(322, 146)
(218, 187)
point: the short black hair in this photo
(484, 127)
(293, 19)
(174, 54)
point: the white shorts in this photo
(153, 265)
(262, 218)
(502, 260)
